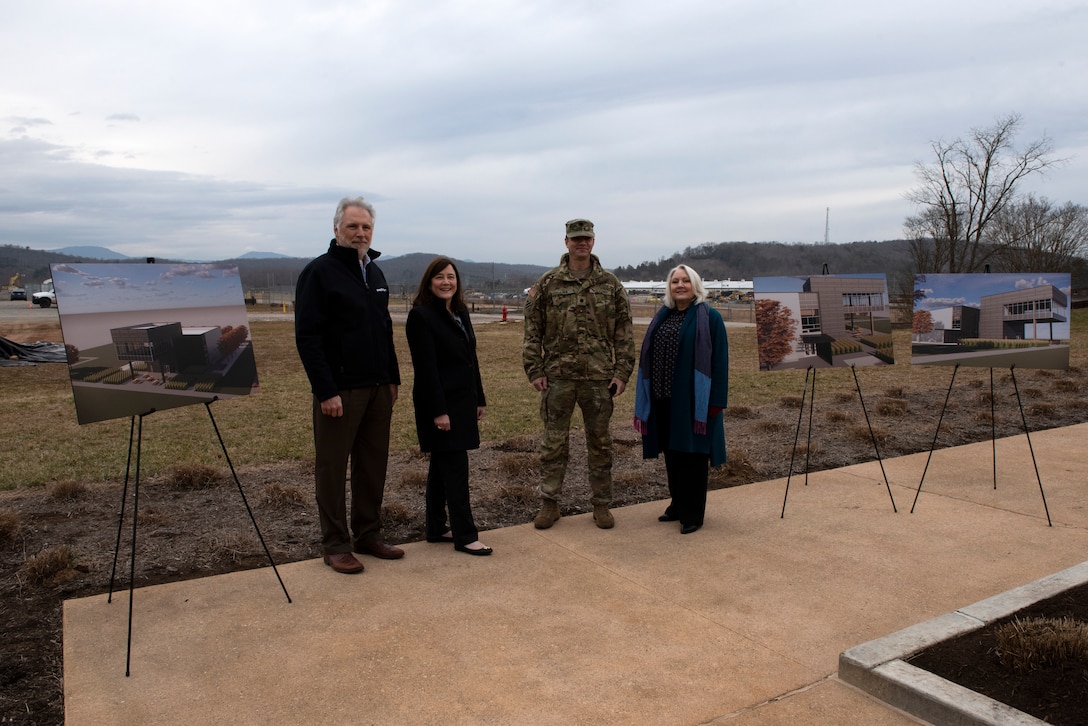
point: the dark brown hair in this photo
(424, 296)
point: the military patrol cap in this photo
(580, 228)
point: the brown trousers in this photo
(360, 436)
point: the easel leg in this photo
(1027, 433)
(936, 433)
(121, 515)
(132, 558)
(993, 426)
(208, 406)
(872, 435)
(796, 437)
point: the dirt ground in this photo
(59, 542)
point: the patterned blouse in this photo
(664, 350)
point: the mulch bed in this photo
(1057, 694)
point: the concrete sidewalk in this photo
(740, 623)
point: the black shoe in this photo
(482, 552)
(441, 538)
(667, 517)
(689, 528)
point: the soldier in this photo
(579, 349)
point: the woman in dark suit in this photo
(448, 398)
(682, 387)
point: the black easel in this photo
(808, 445)
(993, 437)
(135, 437)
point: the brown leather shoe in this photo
(379, 549)
(344, 562)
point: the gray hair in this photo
(352, 202)
(696, 286)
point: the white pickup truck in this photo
(46, 297)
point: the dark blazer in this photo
(447, 378)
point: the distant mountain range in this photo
(108, 255)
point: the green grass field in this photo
(43, 443)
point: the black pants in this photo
(447, 485)
(687, 472)
(688, 475)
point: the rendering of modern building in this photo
(167, 346)
(1017, 314)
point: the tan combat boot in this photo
(549, 514)
(603, 517)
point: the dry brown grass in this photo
(1066, 385)
(276, 495)
(1034, 643)
(518, 467)
(790, 402)
(67, 490)
(193, 477)
(231, 545)
(523, 443)
(769, 426)
(52, 565)
(1043, 410)
(395, 513)
(836, 416)
(862, 434)
(893, 407)
(10, 525)
(413, 479)
(741, 412)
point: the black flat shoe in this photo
(442, 538)
(688, 528)
(482, 552)
(666, 517)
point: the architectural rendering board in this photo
(822, 321)
(991, 320)
(144, 338)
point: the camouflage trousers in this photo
(557, 404)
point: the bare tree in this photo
(964, 189)
(1033, 235)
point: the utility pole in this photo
(827, 227)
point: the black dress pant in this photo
(447, 485)
(688, 473)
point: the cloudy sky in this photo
(204, 130)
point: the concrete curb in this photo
(880, 669)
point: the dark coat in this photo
(343, 331)
(447, 378)
(682, 436)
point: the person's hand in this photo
(394, 391)
(541, 383)
(617, 386)
(333, 407)
(442, 422)
(479, 413)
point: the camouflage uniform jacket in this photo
(578, 329)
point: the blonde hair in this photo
(696, 286)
